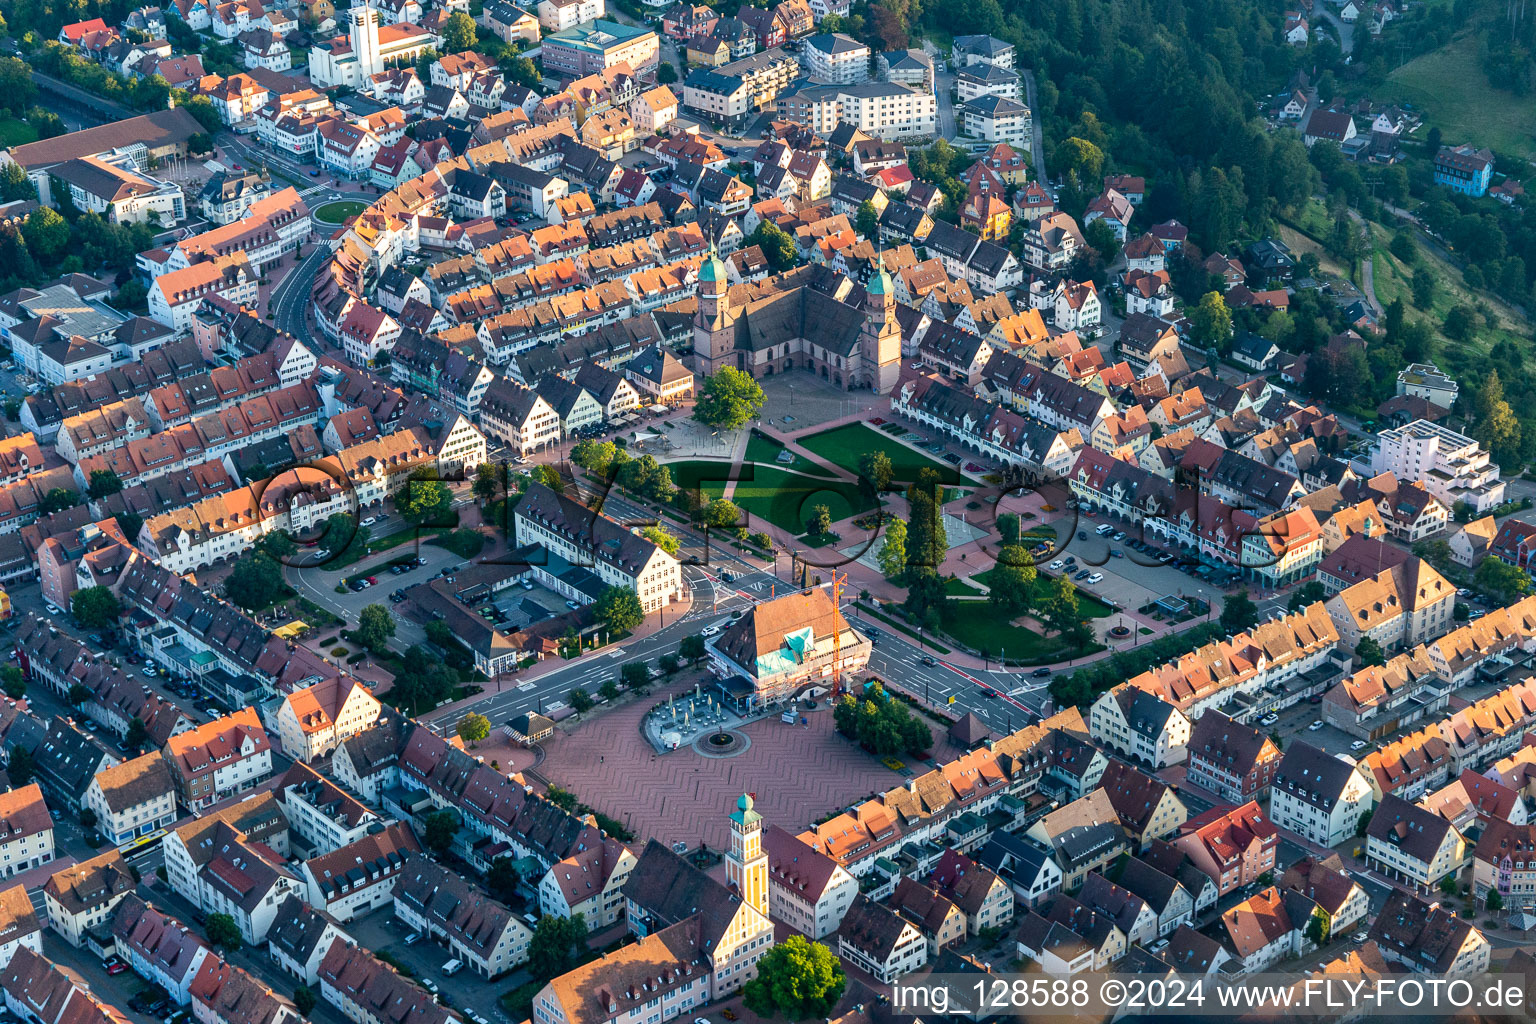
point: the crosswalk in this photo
(313, 190)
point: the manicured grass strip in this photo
(927, 641)
(1090, 606)
(844, 446)
(778, 496)
(338, 212)
(979, 626)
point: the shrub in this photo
(338, 652)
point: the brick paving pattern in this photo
(799, 774)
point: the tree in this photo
(1080, 157)
(501, 879)
(635, 674)
(1369, 652)
(222, 931)
(1310, 592)
(550, 477)
(103, 483)
(666, 73)
(1238, 613)
(722, 514)
(662, 538)
(138, 734)
(692, 648)
(278, 545)
(19, 766)
(1423, 288)
(1497, 428)
(893, 553)
(581, 700)
(556, 944)
(1011, 582)
(728, 400)
(57, 500)
(867, 222)
(488, 481)
(609, 691)
(799, 978)
(669, 664)
(778, 245)
(1060, 609)
(14, 184)
(94, 607)
(46, 234)
(458, 33)
(424, 501)
(523, 71)
(439, 829)
(441, 634)
(820, 522)
(1211, 323)
(875, 467)
(1502, 581)
(1448, 885)
(255, 581)
(304, 1000)
(375, 625)
(593, 455)
(619, 609)
(881, 725)
(474, 727)
(1494, 901)
(78, 694)
(1101, 239)
(13, 683)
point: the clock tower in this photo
(747, 865)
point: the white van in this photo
(1105, 529)
(452, 967)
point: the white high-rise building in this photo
(746, 866)
(366, 48)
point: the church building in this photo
(367, 49)
(807, 319)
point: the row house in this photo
(1378, 700)
(81, 898)
(1140, 725)
(358, 878)
(1412, 845)
(231, 862)
(322, 818)
(159, 948)
(922, 809)
(1234, 760)
(365, 990)
(1409, 766)
(1233, 845)
(133, 799)
(219, 759)
(39, 992)
(1319, 796)
(313, 721)
(1249, 668)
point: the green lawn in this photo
(844, 446)
(977, 625)
(1449, 86)
(1090, 606)
(339, 212)
(1394, 280)
(14, 132)
(774, 495)
(766, 451)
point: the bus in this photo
(142, 843)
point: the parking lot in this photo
(467, 992)
(1129, 577)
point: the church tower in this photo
(746, 866)
(714, 333)
(364, 30)
(880, 337)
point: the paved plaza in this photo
(799, 773)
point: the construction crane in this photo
(838, 579)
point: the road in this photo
(1036, 133)
(1019, 697)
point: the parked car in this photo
(1096, 577)
(1357, 745)
(1315, 726)
(1269, 719)
(370, 521)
